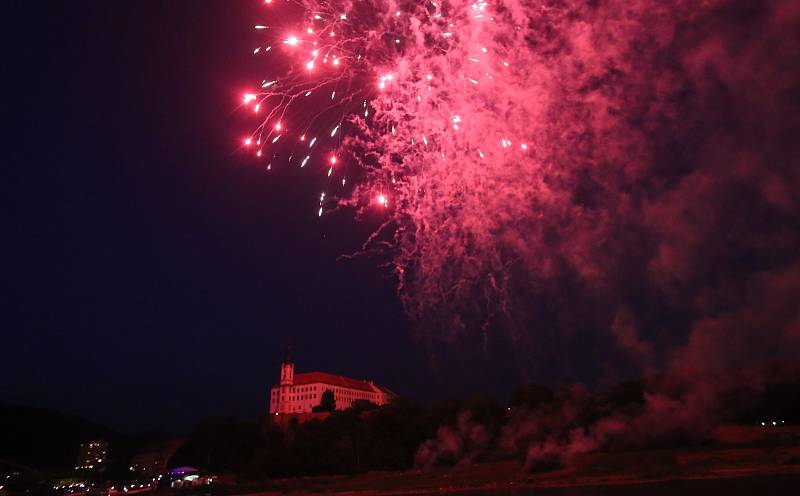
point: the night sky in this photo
(154, 269)
(150, 262)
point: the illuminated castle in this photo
(298, 394)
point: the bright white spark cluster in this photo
(422, 102)
(338, 48)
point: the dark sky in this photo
(155, 272)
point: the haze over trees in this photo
(540, 427)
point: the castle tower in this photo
(287, 367)
(287, 381)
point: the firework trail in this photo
(434, 106)
(513, 145)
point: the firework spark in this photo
(430, 65)
(502, 141)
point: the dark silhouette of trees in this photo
(366, 437)
(221, 443)
(363, 405)
(327, 403)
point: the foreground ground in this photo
(729, 471)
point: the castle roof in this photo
(337, 381)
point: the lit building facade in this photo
(300, 393)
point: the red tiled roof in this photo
(334, 380)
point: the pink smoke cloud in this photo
(655, 177)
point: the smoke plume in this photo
(577, 170)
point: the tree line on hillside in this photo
(538, 426)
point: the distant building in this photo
(185, 477)
(92, 455)
(299, 394)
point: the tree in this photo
(221, 443)
(363, 406)
(327, 403)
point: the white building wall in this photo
(301, 399)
